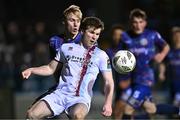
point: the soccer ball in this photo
(124, 61)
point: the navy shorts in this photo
(140, 93)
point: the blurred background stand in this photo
(6, 103)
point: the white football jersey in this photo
(72, 56)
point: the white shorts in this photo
(59, 102)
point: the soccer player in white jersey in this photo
(81, 64)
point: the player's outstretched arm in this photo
(108, 89)
(44, 70)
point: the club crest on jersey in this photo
(143, 41)
(70, 48)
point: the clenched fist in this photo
(26, 73)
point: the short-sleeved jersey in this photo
(56, 41)
(72, 56)
(144, 46)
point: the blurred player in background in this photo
(143, 43)
(121, 85)
(81, 64)
(172, 67)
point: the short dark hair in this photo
(92, 22)
(115, 27)
(137, 13)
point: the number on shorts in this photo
(136, 94)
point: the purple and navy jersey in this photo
(174, 68)
(144, 46)
(55, 43)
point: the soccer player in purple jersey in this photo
(147, 46)
(71, 19)
(82, 62)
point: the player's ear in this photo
(145, 23)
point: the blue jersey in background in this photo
(174, 69)
(144, 46)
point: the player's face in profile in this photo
(90, 36)
(138, 25)
(72, 23)
(116, 36)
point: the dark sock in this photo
(141, 117)
(166, 109)
(126, 117)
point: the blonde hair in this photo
(72, 9)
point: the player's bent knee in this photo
(31, 114)
(79, 115)
(78, 111)
(150, 107)
(128, 110)
(151, 110)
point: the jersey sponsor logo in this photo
(128, 41)
(138, 51)
(77, 59)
